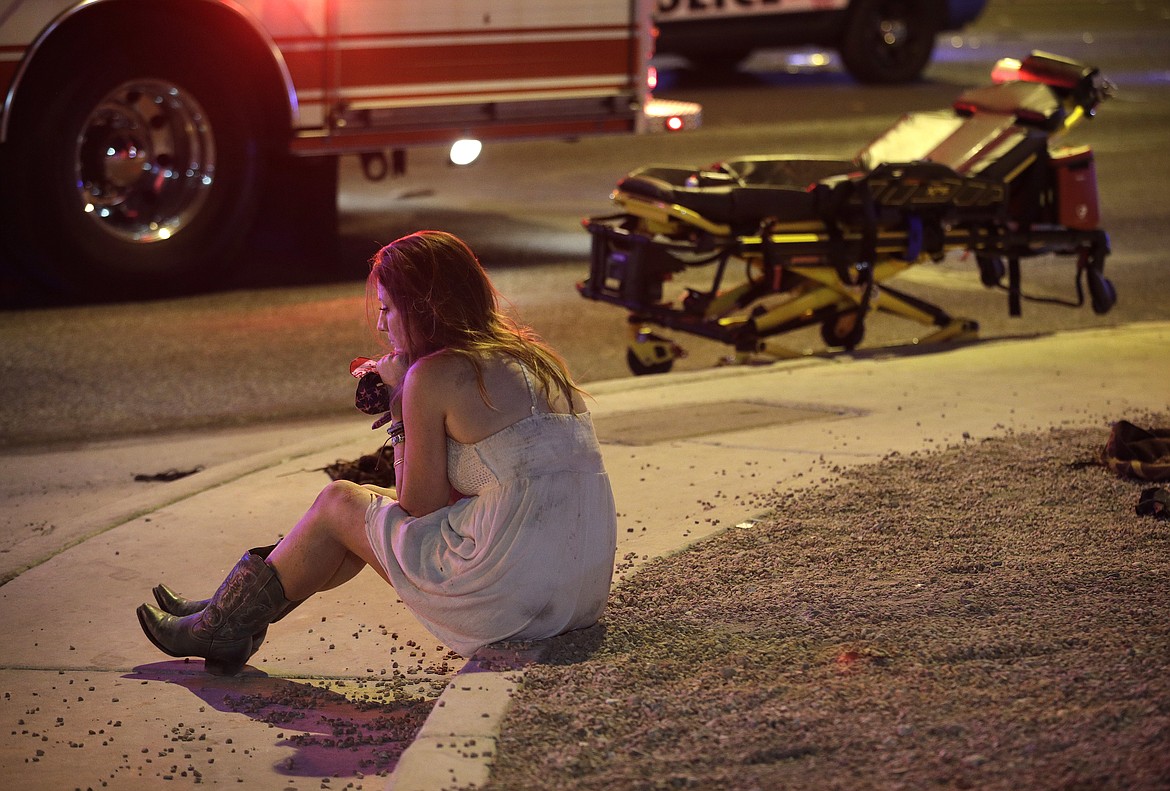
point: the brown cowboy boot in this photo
(223, 633)
(169, 601)
(173, 603)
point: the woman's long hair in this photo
(448, 304)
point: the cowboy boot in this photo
(171, 602)
(174, 604)
(223, 632)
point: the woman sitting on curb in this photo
(502, 523)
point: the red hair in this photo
(447, 303)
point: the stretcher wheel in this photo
(649, 353)
(991, 270)
(1104, 295)
(844, 329)
(640, 368)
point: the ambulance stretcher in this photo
(819, 239)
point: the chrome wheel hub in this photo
(144, 161)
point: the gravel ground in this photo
(993, 616)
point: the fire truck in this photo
(139, 138)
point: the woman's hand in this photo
(392, 368)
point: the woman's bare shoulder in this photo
(442, 371)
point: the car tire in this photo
(888, 41)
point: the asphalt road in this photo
(273, 346)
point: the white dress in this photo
(528, 555)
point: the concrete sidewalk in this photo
(342, 683)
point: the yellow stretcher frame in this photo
(816, 292)
(821, 287)
(804, 258)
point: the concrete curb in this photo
(457, 744)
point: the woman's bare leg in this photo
(348, 570)
(328, 546)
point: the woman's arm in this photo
(420, 461)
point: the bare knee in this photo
(340, 513)
(343, 500)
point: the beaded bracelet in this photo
(397, 433)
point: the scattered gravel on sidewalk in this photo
(993, 616)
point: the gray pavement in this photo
(334, 695)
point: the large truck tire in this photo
(134, 173)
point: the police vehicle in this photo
(879, 41)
